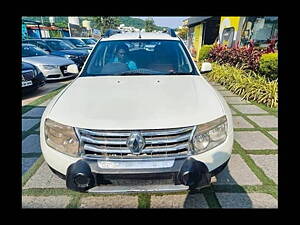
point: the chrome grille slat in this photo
(145, 133)
(168, 140)
(103, 141)
(111, 150)
(147, 150)
(167, 149)
(104, 134)
(158, 143)
(166, 132)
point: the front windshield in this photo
(69, 43)
(133, 57)
(30, 51)
(77, 42)
(58, 45)
(89, 41)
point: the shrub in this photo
(241, 57)
(204, 52)
(250, 87)
(268, 66)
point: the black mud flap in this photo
(194, 174)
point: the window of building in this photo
(260, 30)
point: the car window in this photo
(88, 41)
(68, 42)
(58, 45)
(77, 42)
(30, 51)
(42, 45)
(151, 57)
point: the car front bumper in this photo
(56, 74)
(37, 81)
(109, 177)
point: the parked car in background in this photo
(52, 67)
(88, 41)
(32, 78)
(77, 42)
(60, 48)
(78, 47)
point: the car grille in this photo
(63, 68)
(28, 74)
(83, 57)
(158, 143)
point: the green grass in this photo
(210, 197)
(31, 131)
(42, 99)
(251, 164)
(29, 173)
(75, 202)
(267, 189)
(262, 152)
(144, 200)
(31, 155)
(265, 131)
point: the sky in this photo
(167, 21)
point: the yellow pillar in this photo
(197, 39)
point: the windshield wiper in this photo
(180, 73)
(135, 72)
(127, 73)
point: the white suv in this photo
(139, 117)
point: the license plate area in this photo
(135, 164)
(26, 83)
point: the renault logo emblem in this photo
(135, 143)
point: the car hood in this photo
(27, 66)
(137, 102)
(78, 52)
(47, 60)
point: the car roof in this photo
(83, 37)
(43, 39)
(26, 44)
(69, 38)
(144, 36)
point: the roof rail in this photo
(171, 32)
(111, 32)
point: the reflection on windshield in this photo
(139, 57)
(58, 45)
(30, 51)
(89, 41)
(77, 42)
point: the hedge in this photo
(249, 86)
(204, 52)
(268, 66)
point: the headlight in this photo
(61, 137)
(50, 67)
(210, 135)
(35, 72)
(71, 56)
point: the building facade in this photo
(230, 31)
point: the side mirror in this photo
(206, 67)
(72, 69)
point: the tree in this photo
(182, 32)
(106, 22)
(149, 25)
